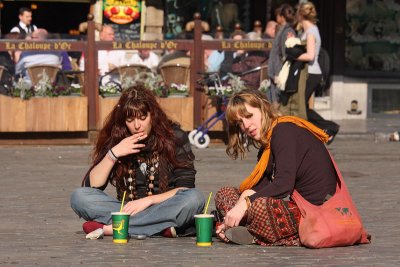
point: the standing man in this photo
(25, 25)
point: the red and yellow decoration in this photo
(121, 11)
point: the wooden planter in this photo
(44, 114)
(178, 109)
(210, 109)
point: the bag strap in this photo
(341, 184)
(302, 203)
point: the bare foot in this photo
(108, 229)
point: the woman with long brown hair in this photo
(292, 155)
(142, 152)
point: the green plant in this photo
(180, 89)
(150, 80)
(110, 88)
(236, 83)
(265, 86)
(22, 89)
(129, 81)
(44, 86)
(76, 88)
(155, 83)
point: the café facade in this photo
(361, 37)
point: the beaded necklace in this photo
(149, 168)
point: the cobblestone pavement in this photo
(38, 227)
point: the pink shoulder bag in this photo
(335, 223)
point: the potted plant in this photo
(178, 90)
(155, 83)
(22, 89)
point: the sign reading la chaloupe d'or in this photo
(124, 17)
(36, 46)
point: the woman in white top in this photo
(307, 19)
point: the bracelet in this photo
(116, 158)
(248, 202)
(112, 156)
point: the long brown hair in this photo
(238, 142)
(135, 102)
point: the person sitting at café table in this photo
(30, 58)
(140, 151)
(292, 155)
(242, 62)
(107, 59)
(144, 57)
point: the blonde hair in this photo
(238, 142)
(308, 11)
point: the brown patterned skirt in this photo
(273, 222)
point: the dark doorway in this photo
(55, 17)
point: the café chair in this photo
(6, 81)
(125, 75)
(2, 68)
(175, 73)
(37, 72)
(131, 70)
(75, 75)
(263, 73)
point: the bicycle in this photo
(212, 86)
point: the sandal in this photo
(239, 235)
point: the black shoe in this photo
(239, 235)
(330, 140)
(331, 134)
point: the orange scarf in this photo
(261, 166)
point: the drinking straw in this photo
(208, 202)
(122, 203)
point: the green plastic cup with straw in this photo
(204, 226)
(120, 224)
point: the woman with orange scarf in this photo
(292, 155)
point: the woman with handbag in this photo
(292, 155)
(307, 19)
(147, 158)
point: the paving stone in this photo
(39, 228)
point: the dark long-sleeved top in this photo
(177, 177)
(298, 161)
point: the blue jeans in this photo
(273, 94)
(93, 204)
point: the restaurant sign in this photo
(124, 17)
(37, 46)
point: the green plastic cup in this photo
(204, 227)
(120, 225)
